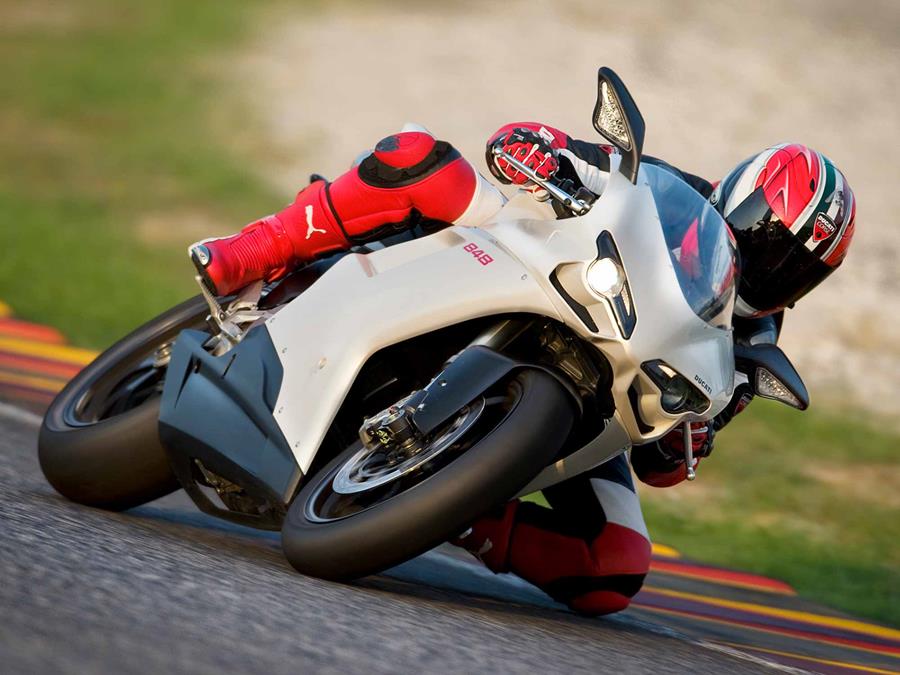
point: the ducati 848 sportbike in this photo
(456, 371)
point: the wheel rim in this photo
(130, 382)
(473, 423)
(114, 397)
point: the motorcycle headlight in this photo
(678, 394)
(605, 277)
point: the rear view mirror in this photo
(771, 374)
(618, 120)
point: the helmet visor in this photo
(776, 267)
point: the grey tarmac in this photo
(164, 588)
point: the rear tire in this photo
(404, 525)
(108, 454)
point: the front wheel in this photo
(365, 512)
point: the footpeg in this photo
(237, 319)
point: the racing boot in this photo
(408, 174)
(272, 246)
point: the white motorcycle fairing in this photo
(257, 415)
(367, 302)
(509, 265)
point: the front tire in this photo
(493, 468)
(99, 444)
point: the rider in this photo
(791, 212)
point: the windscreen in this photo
(702, 249)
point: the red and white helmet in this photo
(792, 213)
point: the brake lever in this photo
(577, 206)
(690, 472)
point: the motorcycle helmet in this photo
(792, 214)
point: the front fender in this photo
(472, 372)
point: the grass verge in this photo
(811, 498)
(108, 167)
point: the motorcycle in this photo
(372, 405)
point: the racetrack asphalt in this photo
(163, 588)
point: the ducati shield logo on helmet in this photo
(824, 227)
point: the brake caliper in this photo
(393, 431)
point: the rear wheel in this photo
(99, 443)
(366, 512)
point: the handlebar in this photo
(577, 206)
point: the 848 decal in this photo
(478, 253)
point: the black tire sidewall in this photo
(489, 473)
(116, 463)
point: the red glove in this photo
(529, 148)
(661, 464)
(671, 445)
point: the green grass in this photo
(106, 124)
(810, 498)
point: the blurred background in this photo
(130, 129)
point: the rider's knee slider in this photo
(405, 158)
